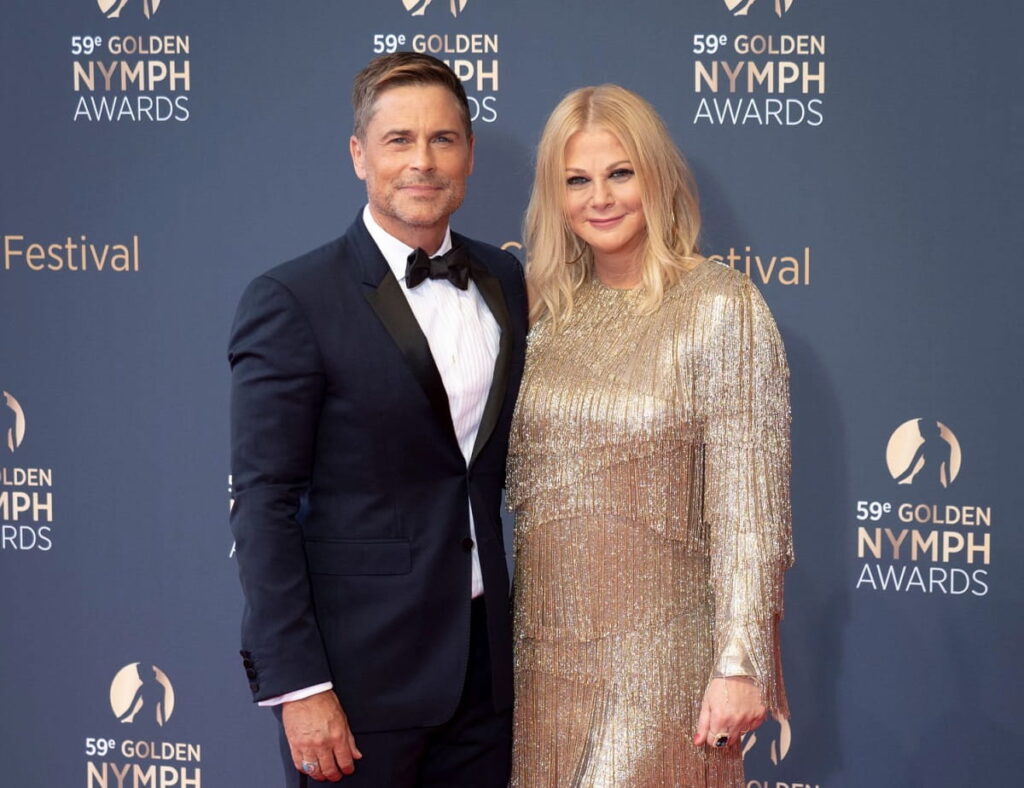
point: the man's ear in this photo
(472, 148)
(355, 149)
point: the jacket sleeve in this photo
(277, 389)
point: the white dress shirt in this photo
(463, 337)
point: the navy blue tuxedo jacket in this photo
(350, 507)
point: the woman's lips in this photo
(603, 223)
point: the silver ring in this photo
(310, 766)
(721, 740)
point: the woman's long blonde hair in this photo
(559, 262)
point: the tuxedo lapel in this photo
(384, 294)
(490, 289)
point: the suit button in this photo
(250, 673)
(467, 544)
(247, 662)
(254, 686)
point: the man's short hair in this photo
(396, 70)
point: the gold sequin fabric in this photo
(649, 473)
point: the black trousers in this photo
(472, 750)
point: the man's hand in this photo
(731, 706)
(318, 732)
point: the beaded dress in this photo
(649, 474)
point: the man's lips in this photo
(422, 188)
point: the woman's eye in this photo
(621, 174)
(576, 180)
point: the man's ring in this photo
(721, 739)
(310, 766)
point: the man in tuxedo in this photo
(373, 383)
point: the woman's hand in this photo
(731, 706)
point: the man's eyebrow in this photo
(409, 133)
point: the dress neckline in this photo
(597, 284)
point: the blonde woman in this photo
(649, 472)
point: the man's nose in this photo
(423, 157)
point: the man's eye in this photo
(444, 138)
(398, 141)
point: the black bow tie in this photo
(453, 265)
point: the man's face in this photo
(415, 159)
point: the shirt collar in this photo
(395, 252)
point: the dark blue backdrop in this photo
(892, 192)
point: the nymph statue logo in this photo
(140, 688)
(112, 8)
(418, 7)
(779, 746)
(12, 423)
(923, 452)
(741, 7)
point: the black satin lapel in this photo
(490, 289)
(389, 302)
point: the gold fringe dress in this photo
(649, 474)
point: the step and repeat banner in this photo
(861, 162)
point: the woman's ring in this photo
(721, 739)
(310, 766)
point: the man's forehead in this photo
(413, 100)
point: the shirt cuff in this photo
(298, 694)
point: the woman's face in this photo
(602, 197)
